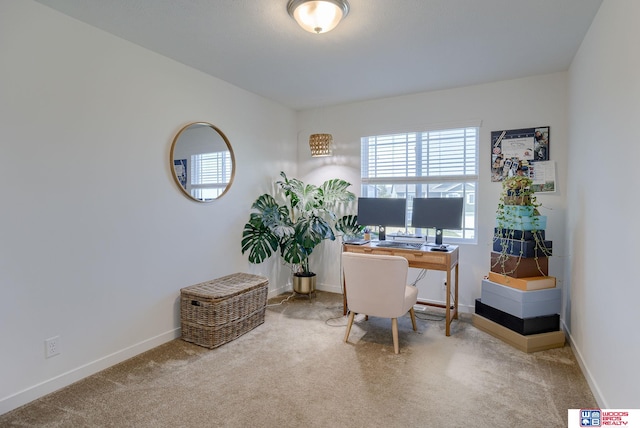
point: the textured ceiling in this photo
(383, 48)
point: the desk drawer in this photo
(427, 257)
(418, 259)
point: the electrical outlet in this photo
(52, 346)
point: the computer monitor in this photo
(382, 212)
(437, 213)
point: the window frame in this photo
(447, 168)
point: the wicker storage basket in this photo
(215, 312)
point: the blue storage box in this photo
(525, 235)
(534, 222)
(519, 210)
(517, 247)
(519, 303)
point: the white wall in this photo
(604, 145)
(96, 239)
(523, 103)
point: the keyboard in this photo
(405, 245)
(357, 241)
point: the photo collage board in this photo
(523, 152)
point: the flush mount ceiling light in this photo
(318, 16)
(320, 144)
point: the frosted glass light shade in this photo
(318, 16)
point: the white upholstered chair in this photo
(376, 285)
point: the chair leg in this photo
(394, 331)
(349, 324)
(412, 312)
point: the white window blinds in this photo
(445, 154)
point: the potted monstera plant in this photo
(294, 221)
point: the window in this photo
(430, 164)
(210, 174)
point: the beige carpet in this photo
(295, 371)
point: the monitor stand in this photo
(382, 235)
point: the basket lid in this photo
(226, 286)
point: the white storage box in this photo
(519, 303)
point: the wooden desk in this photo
(421, 259)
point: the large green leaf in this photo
(273, 216)
(291, 252)
(335, 191)
(348, 226)
(305, 198)
(309, 198)
(334, 195)
(258, 240)
(263, 202)
(311, 231)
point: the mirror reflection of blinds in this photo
(446, 154)
(210, 174)
(210, 169)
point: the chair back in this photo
(375, 284)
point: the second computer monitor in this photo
(438, 213)
(382, 212)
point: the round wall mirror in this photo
(202, 162)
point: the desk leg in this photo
(455, 293)
(448, 303)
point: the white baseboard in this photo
(65, 379)
(462, 309)
(602, 403)
(320, 287)
(278, 291)
(329, 288)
